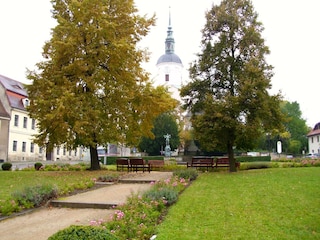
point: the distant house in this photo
(314, 139)
(17, 128)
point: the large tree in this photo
(91, 88)
(228, 94)
(165, 123)
(296, 126)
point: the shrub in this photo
(6, 166)
(83, 233)
(35, 196)
(38, 165)
(112, 177)
(189, 173)
(254, 159)
(8, 207)
(167, 195)
(137, 219)
(255, 165)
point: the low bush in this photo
(255, 165)
(8, 207)
(189, 173)
(83, 233)
(167, 195)
(254, 159)
(139, 217)
(111, 160)
(110, 177)
(38, 165)
(6, 166)
(35, 196)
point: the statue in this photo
(167, 149)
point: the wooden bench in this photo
(224, 162)
(138, 164)
(156, 164)
(123, 163)
(201, 162)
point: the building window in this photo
(311, 139)
(58, 150)
(32, 147)
(75, 152)
(33, 124)
(25, 122)
(69, 152)
(317, 138)
(14, 147)
(40, 150)
(24, 145)
(64, 151)
(167, 77)
(16, 120)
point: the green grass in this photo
(257, 204)
(66, 181)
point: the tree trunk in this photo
(232, 160)
(95, 164)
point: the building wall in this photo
(314, 144)
(21, 145)
(175, 72)
(4, 135)
(4, 125)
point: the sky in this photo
(292, 34)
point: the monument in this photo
(167, 149)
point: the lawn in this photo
(277, 203)
(66, 181)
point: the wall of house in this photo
(314, 144)
(21, 146)
(4, 135)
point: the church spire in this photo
(169, 40)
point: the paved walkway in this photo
(43, 222)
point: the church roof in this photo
(169, 57)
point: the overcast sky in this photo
(292, 33)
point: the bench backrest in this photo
(136, 161)
(205, 160)
(122, 161)
(222, 160)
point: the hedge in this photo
(112, 160)
(254, 159)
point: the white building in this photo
(17, 128)
(314, 139)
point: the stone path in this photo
(43, 222)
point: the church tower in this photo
(169, 65)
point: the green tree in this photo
(296, 126)
(228, 95)
(165, 123)
(91, 88)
